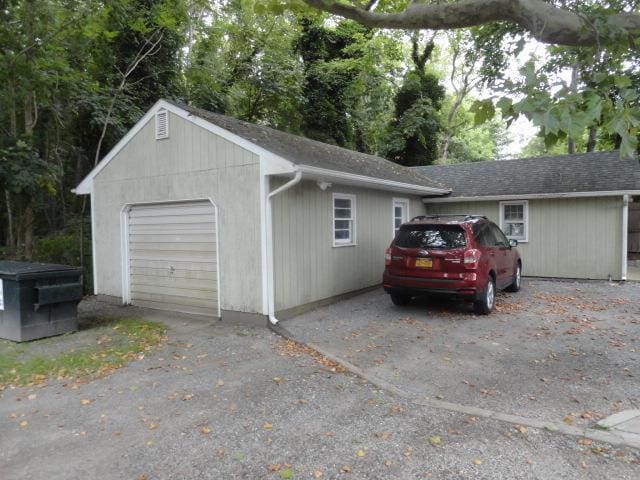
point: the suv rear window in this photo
(431, 236)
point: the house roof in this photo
(306, 152)
(562, 174)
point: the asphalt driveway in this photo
(227, 401)
(557, 351)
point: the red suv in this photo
(463, 255)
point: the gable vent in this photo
(162, 124)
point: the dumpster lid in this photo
(25, 270)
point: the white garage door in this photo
(173, 257)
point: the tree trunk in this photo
(28, 230)
(11, 241)
(593, 136)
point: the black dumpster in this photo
(38, 300)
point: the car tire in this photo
(400, 299)
(517, 280)
(488, 300)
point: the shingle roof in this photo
(304, 151)
(588, 172)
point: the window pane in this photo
(398, 211)
(514, 212)
(342, 224)
(342, 213)
(431, 236)
(515, 229)
(342, 203)
(341, 235)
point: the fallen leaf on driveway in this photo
(220, 383)
(407, 451)
(85, 401)
(277, 380)
(477, 461)
(345, 469)
(360, 453)
(521, 429)
(32, 396)
(267, 426)
(206, 429)
(273, 467)
(286, 474)
(316, 474)
(24, 423)
(329, 434)
(435, 440)
(585, 441)
(382, 435)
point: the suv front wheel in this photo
(488, 300)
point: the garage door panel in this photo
(175, 307)
(177, 265)
(170, 280)
(175, 273)
(184, 246)
(171, 237)
(174, 229)
(177, 210)
(177, 300)
(173, 257)
(175, 219)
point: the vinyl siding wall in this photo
(192, 163)
(308, 267)
(568, 238)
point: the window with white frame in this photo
(514, 220)
(344, 220)
(400, 213)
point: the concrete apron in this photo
(621, 429)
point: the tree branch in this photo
(546, 22)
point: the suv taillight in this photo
(387, 257)
(472, 259)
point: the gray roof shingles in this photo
(587, 172)
(304, 151)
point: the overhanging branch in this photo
(546, 22)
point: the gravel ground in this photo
(223, 401)
(554, 351)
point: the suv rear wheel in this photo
(488, 300)
(400, 299)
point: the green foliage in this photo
(23, 172)
(412, 137)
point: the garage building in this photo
(201, 213)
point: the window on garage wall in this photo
(514, 220)
(344, 220)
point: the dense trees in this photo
(75, 75)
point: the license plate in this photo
(424, 262)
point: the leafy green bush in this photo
(61, 248)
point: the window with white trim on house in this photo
(514, 219)
(344, 219)
(400, 213)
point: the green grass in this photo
(126, 339)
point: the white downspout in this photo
(271, 280)
(625, 232)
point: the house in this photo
(202, 213)
(569, 213)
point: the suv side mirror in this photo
(513, 242)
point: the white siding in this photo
(191, 164)
(568, 238)
(308, 267)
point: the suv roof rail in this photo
(466, 216)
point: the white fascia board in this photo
(533, 196)
(345, 178)
(85, 185)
